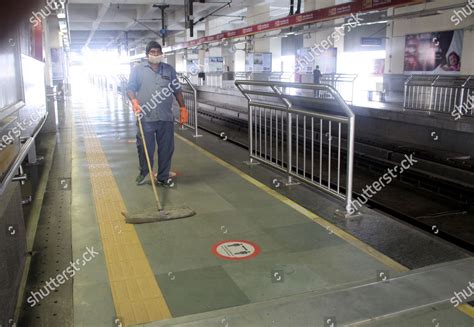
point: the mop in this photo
(159, 213)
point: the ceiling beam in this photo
(142, 11)
(100, 15)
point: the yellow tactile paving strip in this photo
(136, 294)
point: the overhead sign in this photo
(371, 41)
(236, 250)
(310, 17)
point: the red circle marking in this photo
(254, 254)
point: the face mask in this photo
(155, 59)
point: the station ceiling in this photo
(100, 24)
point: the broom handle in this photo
(150, 170)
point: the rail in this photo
(243, 75)
(190, 99)
(214, 79)
(343, 83)
(438, 93)
(307, 151)
(24, 150)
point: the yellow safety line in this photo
(465, 308)
(136, 294)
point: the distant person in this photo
(316, 79)
(202, 77)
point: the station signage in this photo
(314, 16)
(235, 250)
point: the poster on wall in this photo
(306, 61)
(258, 62)
(249, 62)
(378, 66)
(262, 62)
(215, 64)
(192, 65)
(434, 53)
(327, 61)
(57, 61)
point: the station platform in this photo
(293, 268)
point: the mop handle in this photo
(150, 170)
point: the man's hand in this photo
(136, 106)
(183, 115)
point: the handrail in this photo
(286, 108)
(195, 100)
(25, 148)
(307, 86)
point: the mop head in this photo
(154, 215)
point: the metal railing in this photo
(303, 143)
(243, 75)
(190, 99)
(437, 93)
(123, 81)
(343, 83)
(214, 79)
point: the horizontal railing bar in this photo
(278, 107)
(261, 93)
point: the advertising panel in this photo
(434, 53)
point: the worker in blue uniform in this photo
(151, 88)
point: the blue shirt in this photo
(154, 90)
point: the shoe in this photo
(140, 180)
(169, 183)
(172, 174)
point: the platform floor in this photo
(154, 272)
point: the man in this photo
(316, 79)
(150, 87)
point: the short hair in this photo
(454, 54)
(152, 45)
(317, 66)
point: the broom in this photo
(160, 213)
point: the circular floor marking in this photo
(236, 249)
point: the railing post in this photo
(431, 92)
(289, 148)
(250, 136)
(196, 129)
(463, 87)
(350, 163)
(405, 93)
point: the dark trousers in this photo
(159, 133)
